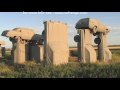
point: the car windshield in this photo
(5, 33)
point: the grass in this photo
(70, 70)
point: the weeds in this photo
(70, 70)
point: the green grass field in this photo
(71, 70)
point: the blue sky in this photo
(34, 20)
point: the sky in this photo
(34, 20)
